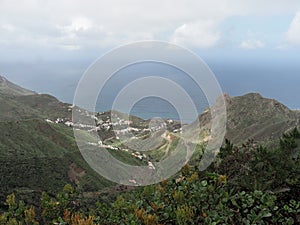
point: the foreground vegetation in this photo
(249, 184)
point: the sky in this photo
(43, 30)
(45, 41)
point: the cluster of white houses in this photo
(106, 125)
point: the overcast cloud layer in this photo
(34, 28)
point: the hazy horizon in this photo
(278, 80)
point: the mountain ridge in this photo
(252, 116)
(248, 116)
(9, 88)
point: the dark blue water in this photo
(272, 76)
(153, 106)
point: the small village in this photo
(119, 127)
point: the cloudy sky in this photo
(33, 29)
(43, 32)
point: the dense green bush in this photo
(246, 185)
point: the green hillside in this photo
(250, 184)
(32, 106)
(37, 155)
(252, 116)
(9, 88)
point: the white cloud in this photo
(202, 34)
(79, 24)
(94, 24)
(293, 33)
(251, 44)
(7, 27)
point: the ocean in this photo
(275, 79)
(280, 81)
